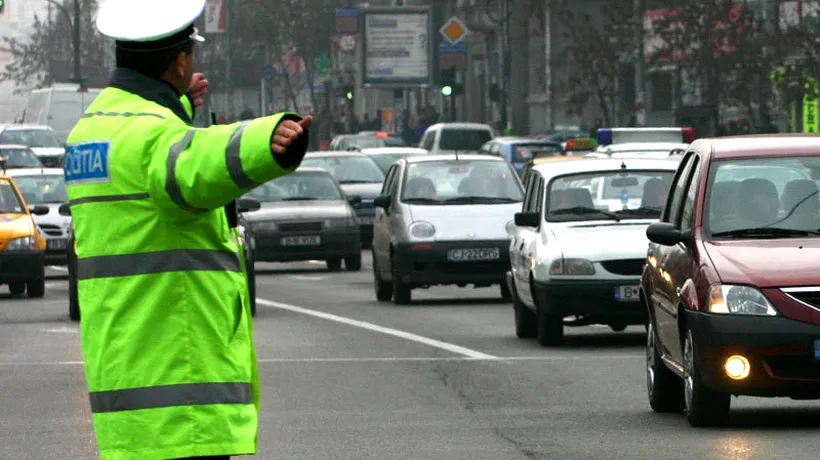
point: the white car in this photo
(449, 138)
(579, 244)
(39, 138)
(47, 187)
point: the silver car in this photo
(386, 156)
(444, 219)
(305, 216)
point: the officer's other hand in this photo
(287, 132)
(199, 85)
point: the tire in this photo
(505, 291)
(402, 293)
(36, 288)
(550, 328)
(353, 263)
(526, 326)
(663, 387)
(384, 290)
(17, 288)
(73, 301)
(703, 406)
(617, 327)
(334, 264)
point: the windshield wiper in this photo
(300, 198)
(480, 199)
(585, 210)
(421, 201)
(643, 211)
(771, 232)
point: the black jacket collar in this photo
(151, 89)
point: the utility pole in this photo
(640, 80)
(73, 21)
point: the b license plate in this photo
(301, 241)
(627, 293)
(56, 244)
(466, 255)
(817, 350)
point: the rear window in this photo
(523, 153)
(463, 139)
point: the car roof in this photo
(461, 125)
(388, 150)
(761, 145)
(35, 171)
(452, 157)
(643, 147)
(13, 146)
(604, 164)
(334, 153)
(20, 126)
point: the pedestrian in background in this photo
(166, 326)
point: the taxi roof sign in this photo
(608, 136)
(581, 143)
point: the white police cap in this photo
(148, 20)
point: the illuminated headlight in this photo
(27, 243)
(572, 267)
(510, 227)
(739, 300)
(345, 222)
(264, 226)
(422, 229)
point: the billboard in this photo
(397, 47)
(215, 17)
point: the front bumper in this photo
(56, 251)
(339, 243)
(426, 264)
(780, 351)
(593, 299)
(21, 266)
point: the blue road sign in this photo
(268, 73)
(346, 21)
(446, 48)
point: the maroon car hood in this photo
(767, 263)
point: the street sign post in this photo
(452, 56)
(268, 73)
(347, 43)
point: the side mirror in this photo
(64, 209)
(528, 219)
(665, 234)
(354, 200)
(40, 210)
(247, 205)
(382, 201)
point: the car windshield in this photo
(463, 139)
(367, 142)
(9, 201)
(20, 158)
(42, 189)
(385, 160)
(605, 195)
(30, 137)
(523, 153)
(460, 182)
(298, 186)
(763, 198)
(348, 169)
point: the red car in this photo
(732, 280)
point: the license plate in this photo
(366, 220)
(301, 241)
(56, 244)
(817, 350)
(627, 293)
(467, 255)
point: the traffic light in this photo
(448, 81)
(2, 6)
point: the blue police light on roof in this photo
(604, 136)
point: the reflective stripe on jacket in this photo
(166, 327)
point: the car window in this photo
(777, 192)
(463, 139)
(298, 186)
(389, 179)
(31, 138)
(20, 158)
(578, 197)
(685, 221)
(495, 149)
(486, 148)
(42, 189)
(461, 182)
(532, 192)
(348, 169)
(428, 140)
(9, 201)
(677, 190)
(523, 153)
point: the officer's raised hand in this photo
(199, 85)
(288, 132)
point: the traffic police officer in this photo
(166, 325)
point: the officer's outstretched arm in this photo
(199, 170)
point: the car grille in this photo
(51, 230)
(794, 367)
(626, 267)
(300, 226)
(810, 297)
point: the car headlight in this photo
(27, 243)
(739, 300)
(422, 229)
(572, 267)
(510, 227)
(345, 222)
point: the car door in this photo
(381, 228)
(527, 239)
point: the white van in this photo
(60, 107)
(448, 138)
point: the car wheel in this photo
(73, 301)
(617, 327)
(17, 287)
(505, 291)
(384, 290)
(353, 263)
(663, 387)
(334, 264)
(703, 406)
(36, 288)
(401, 291)
(525, 321)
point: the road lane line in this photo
(308, 278)
(376, 328)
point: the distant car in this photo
(543, 160)
(563, 135)
(449, 138)
(579, 243)
(390, 139)
(443, 219)
(306, 216)
(519, 151)
(357, 174)
(22, 245)
(47, 187)
(42, 140)
(386, 156)
(348, 142)
(732, 284)
(19, 156)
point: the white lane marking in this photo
(59, 269)
(375, 360)
(52, 285)
(384, 330)
(62, 330)
(308, 278)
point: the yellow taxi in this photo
(22, 246)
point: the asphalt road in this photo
(345, 377)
